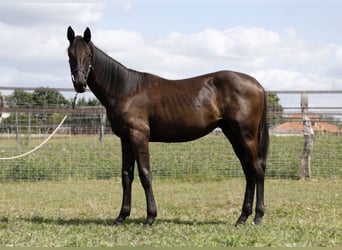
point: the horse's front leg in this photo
(140, 145)
(128, 161)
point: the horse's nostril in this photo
(80, 87)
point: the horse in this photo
(143, 107)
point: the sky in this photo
(285, 45)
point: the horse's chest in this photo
(121, 122)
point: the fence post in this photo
(17, 127)
(29, 129)
(305, 169)
(1, 107)
(103, 118)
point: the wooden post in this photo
(305, 170)
(103, 118)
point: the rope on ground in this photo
(39, 146)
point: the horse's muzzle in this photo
(79, 81)
(80, 87)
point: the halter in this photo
(73, 80)
(86, 74)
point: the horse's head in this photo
(80, 58)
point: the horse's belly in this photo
(181, 117)
(179, 132)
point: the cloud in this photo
(127, 6)
(279, 60)
(247, 47)
(51, 13)
(117, 41)
(28, 49)
(277, 79)
(235, 43)
(33, 40)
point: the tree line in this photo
(48, 97)
(44, 97)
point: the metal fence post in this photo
(17, 127)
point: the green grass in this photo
(209, 158)
(195, 213)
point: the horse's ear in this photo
(87, 35)
(71, 35)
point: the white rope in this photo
(39, 146)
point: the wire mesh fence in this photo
(85, 148)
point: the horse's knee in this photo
(127, 177)
(145, 177)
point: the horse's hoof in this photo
(239, 223)
(257, 221)
(242, 219)
(119, 221)
(149, 221)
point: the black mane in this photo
(115, 77)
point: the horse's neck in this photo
(110, 79)
(102, 78)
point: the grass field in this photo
(195, 213)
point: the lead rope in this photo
(39, 146)
(74, 101)
(46, 140)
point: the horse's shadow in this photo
(110, 221)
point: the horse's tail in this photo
(263, 136)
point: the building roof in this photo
(296, 127)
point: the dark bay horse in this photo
(143, 108)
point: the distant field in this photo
(209, 158)
(195, 213)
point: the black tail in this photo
(263, 137)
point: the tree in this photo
(43, 97)
(275, 110)
(93, 102)
(20, 98)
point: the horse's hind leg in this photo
(245, 145)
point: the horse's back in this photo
(190, 108)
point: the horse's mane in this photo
(115, 77)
